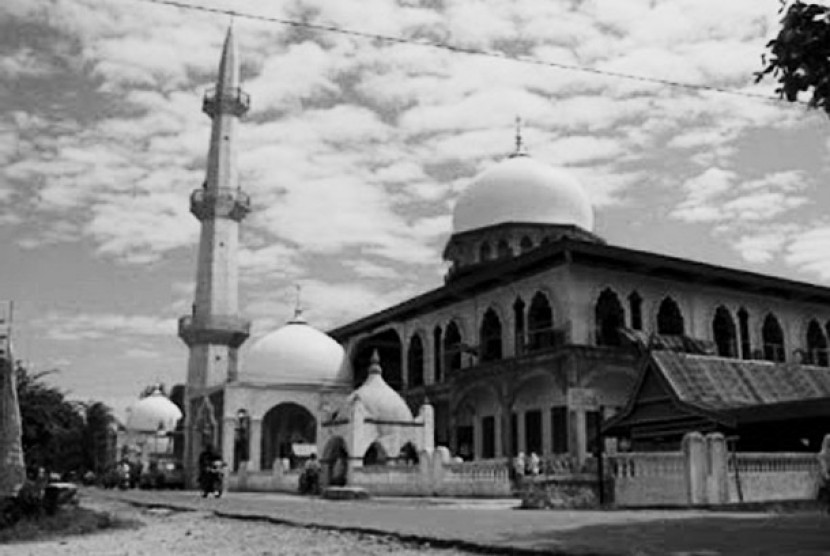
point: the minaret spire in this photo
(214, 330)
(520, 148)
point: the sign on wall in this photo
(585, 399)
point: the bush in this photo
(30, 500)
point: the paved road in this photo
(495, 524)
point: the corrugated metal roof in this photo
(721, 383)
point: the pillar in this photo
(577, 437)
(254, 463)
(718, 476)
(547, 432)
(228, 438)
(694, 452)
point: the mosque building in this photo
(538, 333)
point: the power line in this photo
(465, 50)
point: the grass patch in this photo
(69, 520)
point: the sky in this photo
(356, 148)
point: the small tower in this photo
(214, 330)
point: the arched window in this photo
(669, 318)
(436, 353)
(635, 306)
(415, 361)
(743, 325)
(539, 323)
(816, 345)
(519, 324)
(490, 338)
(504, 250)
(526, 244)
(452, 348)
(485, 252)
(773, 339)
(723, 330)
(609, 317)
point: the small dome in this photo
(520, 189)
(380, 400)
(153, 414)
(297, 353)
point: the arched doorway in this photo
(772, 337)
(335, 462)
(816, 345)
(539, 323)
(375, 455)
(669, 318)
(415, 359)
(289, 431)
(452, 348)
(723, 330)
(490, 337)
(609, 317)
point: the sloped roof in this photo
(689, 388)
(719, 383)
(684, 344)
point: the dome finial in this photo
(520, 148)
(374, 364)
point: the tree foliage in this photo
(58, 434)
(799, 57)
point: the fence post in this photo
(718, 468)
(694, 452)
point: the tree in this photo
(799, 57)
(58, 434)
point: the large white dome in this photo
(520, 189)
(154, 413)
(297, 353)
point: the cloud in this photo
(97, 326)
(807, 250)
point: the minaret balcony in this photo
(222, 202)
(231, 100)
(224, 330)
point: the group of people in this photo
(525, 466)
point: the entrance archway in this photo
(335, 462)
(289, 431)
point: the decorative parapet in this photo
(758, 462)
(228, 330)
(224, 202)
(232, 101)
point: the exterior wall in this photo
(705, 474)
(697, 302)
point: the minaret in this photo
(215, 331)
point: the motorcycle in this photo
(212, 479)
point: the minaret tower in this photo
(215, 331)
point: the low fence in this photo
(487, 478)
(756, 477)
(648, 479)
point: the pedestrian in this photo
(533, 464)
(518, 470)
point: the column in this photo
(520, 429)
(256, 445)
(694, 451)
(497, 430)
(577, 438)
(547, 431)
(228, 437)
(478, 437)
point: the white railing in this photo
(758, 462)
(646, 464)
(488, 470)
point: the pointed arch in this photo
(485, 252)
(452, 347)
(609, 317)
(519, 325)
(773, 339)
(525, 244)
(490, 338)
(539, 323)
(670, 318)
(635, 309)
(724, 333)
(415, 360)
(816, 345)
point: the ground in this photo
(260, 524)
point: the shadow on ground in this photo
(802, 534)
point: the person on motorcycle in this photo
(207, 471)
